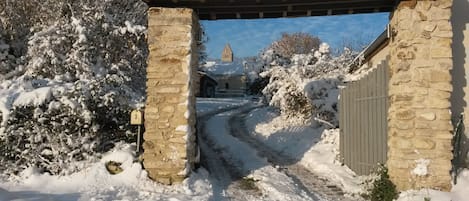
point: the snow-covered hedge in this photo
(307, 86)
(70, 75)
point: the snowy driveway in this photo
(234, 157)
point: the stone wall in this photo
(419, 89)
(169, 138)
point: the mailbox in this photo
(136, 117)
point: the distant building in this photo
(229, 74)
(207, 85)
(227, 54)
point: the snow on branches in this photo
(306, 86)
(70, 76)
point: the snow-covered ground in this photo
(317, 149)
(314, 147)
(95, 183)
(459, 192)
(272, 184)
(208, 105)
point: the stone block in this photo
(440, 53)
(429, 27)
(157, 135)
(440, 13)
(170, 16)
(428, 116)
(162, 30)
(434, 125)
(422, 63)
(445, 86)
(167, 89)
(406, 55)
(168, 109)
(401, 144)
(442, 34)
(444, 4)
(153, 100)
(437, 103)
(445, 64)
(159, 75)
(444, 25)
(424, 6)
(401, 133)
(438, 94)
(423, 143)
(401, 98)
(405, 114)
(402, 125)
(401, 77)
(170, 52)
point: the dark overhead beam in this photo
(251, 9)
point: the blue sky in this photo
(248, 37)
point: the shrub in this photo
(307, 87)
(382, 188)
(81, 71)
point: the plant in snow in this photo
(81, 70)
(382, 188)
(306, 87)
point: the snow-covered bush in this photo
(80, 73)
(308, 86)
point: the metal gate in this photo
(363, 107)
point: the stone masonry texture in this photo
(169, 138)
(419, 91)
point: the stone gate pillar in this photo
(420, 87)
(169, 138)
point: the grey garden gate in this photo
(363, 107)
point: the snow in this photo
(183, 128)
(459, 192)
(35, 97)
(315, 148)
(207, 105)
(421, 167)
(95, 183)
(273, 184)
(217, 67)
(5, 110)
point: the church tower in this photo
(227, 54)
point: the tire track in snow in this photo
(310, 182)
(224, 174)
